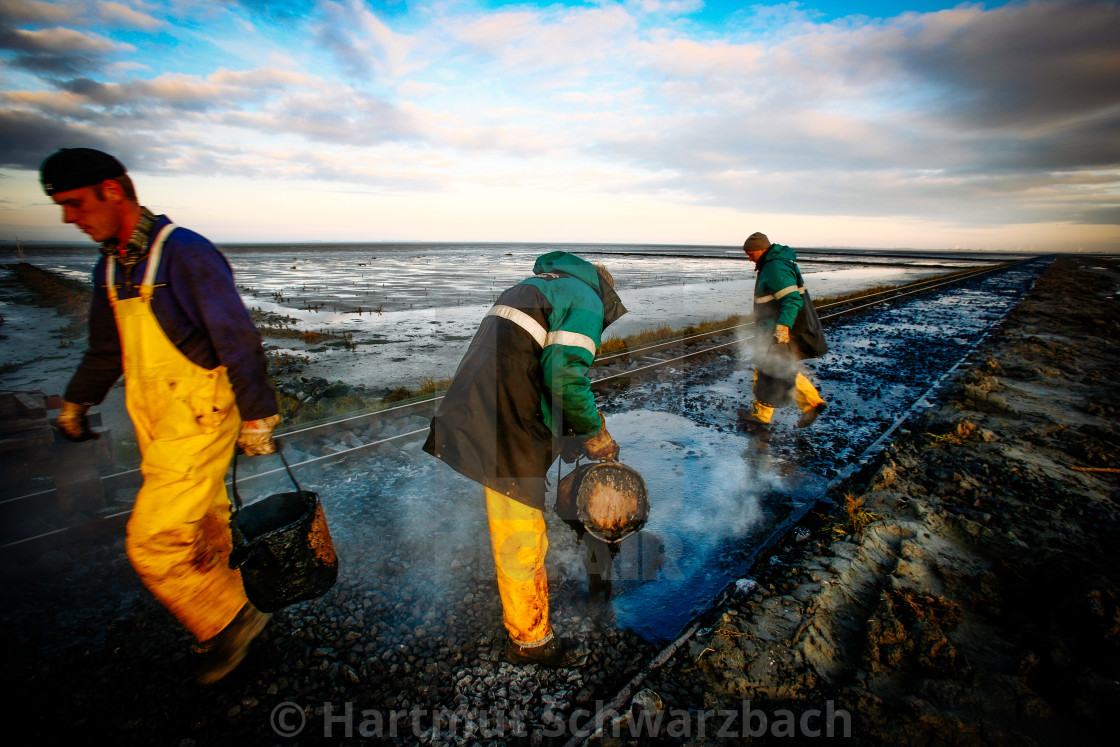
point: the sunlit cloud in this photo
(362, 43)
(126, 16)
(33, 11)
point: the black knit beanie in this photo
(72, 168)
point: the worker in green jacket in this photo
(779, 306)
(521, 386)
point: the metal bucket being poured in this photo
(608, 498)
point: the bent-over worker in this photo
(522, 385)
(166, 314)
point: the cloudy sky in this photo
(919, 124)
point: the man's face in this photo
(755, 254)
(96, 216)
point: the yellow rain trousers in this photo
(186, 424)
(517, 536)
(805, 396)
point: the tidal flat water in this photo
(412, 308)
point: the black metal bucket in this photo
(608, 498)
(283, 547)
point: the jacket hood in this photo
(778, 251)
(569, 264)
(581, 269)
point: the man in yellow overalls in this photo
(166, 314)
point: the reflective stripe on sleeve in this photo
(572, 340)
(781, 294)
(537, 331)
(523, 320)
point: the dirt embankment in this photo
(971, 593)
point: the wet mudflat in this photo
(411, 310)
(414, 625)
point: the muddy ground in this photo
(970, 594)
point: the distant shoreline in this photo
(685, 251)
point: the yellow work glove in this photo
(73, 423)
(256, 436)
(601, 447)
(781, 334)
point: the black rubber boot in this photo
(221, 654)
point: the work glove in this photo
(781, 334)
(256, 436)
(601, 447)
(73, 422)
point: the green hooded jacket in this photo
(777, 289)
(575, 325)
(524, 382)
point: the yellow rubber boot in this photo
(517, 536)
(805, 394)
(808, 399)
(758, 416)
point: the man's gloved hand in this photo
(256, 436)
(781, 334)
(601, 447)
(73, 423)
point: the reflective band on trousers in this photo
(781, 294)
(543, 337)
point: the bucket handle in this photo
(574, 466)
(280, 452)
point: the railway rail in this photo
(330, 442)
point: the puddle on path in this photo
(715, 498)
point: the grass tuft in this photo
(665, 333)
(855, 518)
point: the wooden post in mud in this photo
(19, 246)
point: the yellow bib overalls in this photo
(186, 425)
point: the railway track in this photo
(325, 444)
